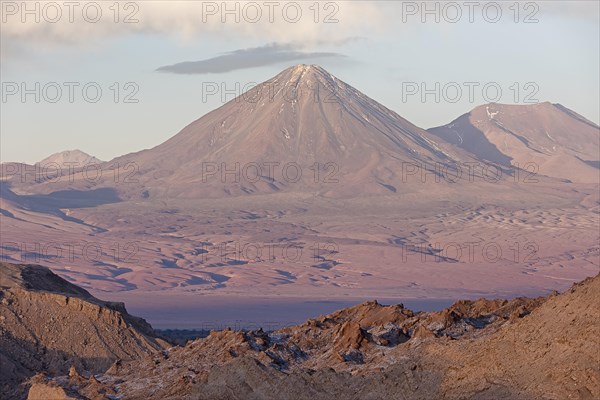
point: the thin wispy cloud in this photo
(247, 58)
(183, 21)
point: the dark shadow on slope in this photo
(75, 198)
(53, 203)
(20, 360)
(8, 214)
(471, 139)
(594, 164)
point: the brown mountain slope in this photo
(545, 348)
(552, 139)
(48, 325)
(553, 353)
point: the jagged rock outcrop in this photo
(544, 348)
(50, 325)
(42, 388)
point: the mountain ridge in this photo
(550, 138)
(303, 130)
(306, 131)
(49, 324)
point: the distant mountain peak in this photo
(550, 138)
(75, 156)
(307, 69)
(303, 76)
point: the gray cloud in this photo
(247, 58)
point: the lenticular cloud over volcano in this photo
(246, 58)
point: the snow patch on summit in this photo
(491, 114)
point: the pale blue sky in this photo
(560, 54)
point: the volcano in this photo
(303, 130)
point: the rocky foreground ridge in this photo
(544, 348)
(50, 325)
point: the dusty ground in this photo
(314, 248)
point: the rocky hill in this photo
(48, 325)
(543, 348)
